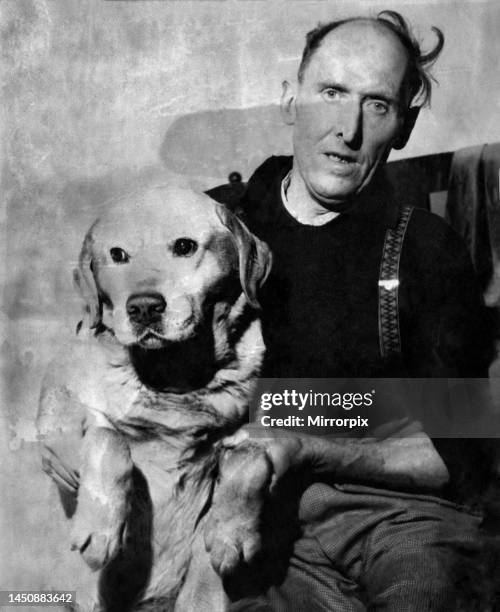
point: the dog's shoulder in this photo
(74, 381)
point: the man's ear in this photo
(287, 103)
(407, 126)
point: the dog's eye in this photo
(184, 247)
(118, 255)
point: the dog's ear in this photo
(86, 284)
(254, 256)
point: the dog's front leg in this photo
(232, 533)
(103, 497)
(202, 589)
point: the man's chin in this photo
(334, 202)
(336, 196)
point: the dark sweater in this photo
(320, 304)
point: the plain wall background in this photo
(94, 91)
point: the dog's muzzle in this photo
(145, 308)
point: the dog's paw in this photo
(97, 547)
(98, 531)
(230, 543)
(232, 532)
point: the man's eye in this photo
(185, 247)
(118, 255)
(330, 93)
(380, 108)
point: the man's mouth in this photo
(343, 159)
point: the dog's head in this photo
(157, 263)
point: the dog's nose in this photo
(144, 307)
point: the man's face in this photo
(346, 111)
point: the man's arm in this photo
(410, 462)
(451, 334)
(262, 456)
(407, 463)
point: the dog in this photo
(163, 370)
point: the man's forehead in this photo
(365, 43)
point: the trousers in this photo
(365, 549)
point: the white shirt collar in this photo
(318, 221)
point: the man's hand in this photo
(258, 457)
(284, 449)
(408, 462)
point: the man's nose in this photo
(349, 126)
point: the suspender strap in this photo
(388, 286)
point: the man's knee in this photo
(414, 576)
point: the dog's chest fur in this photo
(174, 442)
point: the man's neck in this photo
(301, 205)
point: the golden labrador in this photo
(165, 365)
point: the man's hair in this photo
(418, 80)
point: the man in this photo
(379, 529)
